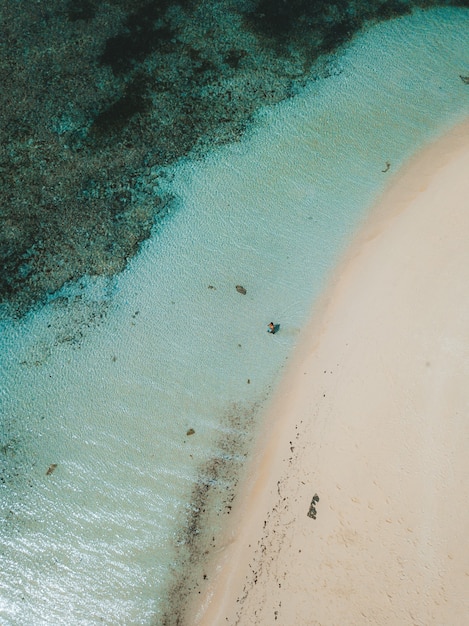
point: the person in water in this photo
(271, 328)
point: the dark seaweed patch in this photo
(123, 51)
(16, 460)
(14, 254)
(201, 65)
(278, 19)
(212, 498)
(338, 33)
(81, 10)
(233, 58)
(143, 33)
(113, 119)
(391, 9)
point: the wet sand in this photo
(353, 509)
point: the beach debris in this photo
(51, 469)
(312, 511)
(465, 79)
(190, 432)
(388, 165)
(241, 289)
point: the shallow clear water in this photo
(96, 540)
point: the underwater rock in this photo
(51, 469)
(241, 289)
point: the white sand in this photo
(373, 417)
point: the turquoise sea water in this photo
(102, 537)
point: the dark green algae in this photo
(98, 99)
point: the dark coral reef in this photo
(98, 97)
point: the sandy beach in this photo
(353, 510)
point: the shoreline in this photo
(367, 414)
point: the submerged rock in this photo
(51, 469)
(241, 289)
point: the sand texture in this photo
(354, 510)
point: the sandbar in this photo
(353, 509)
